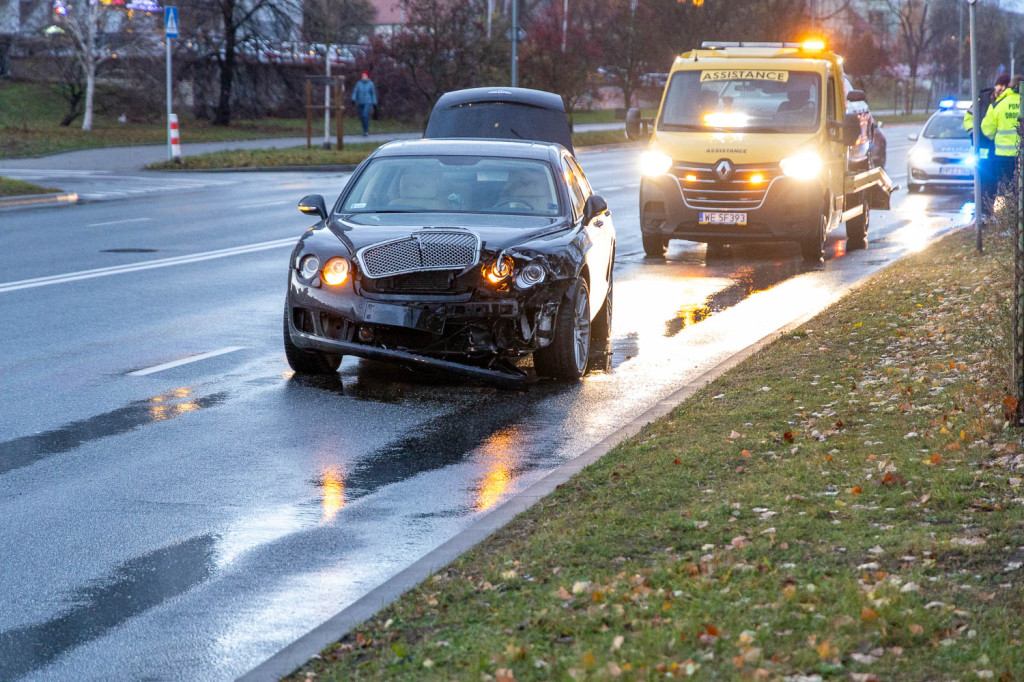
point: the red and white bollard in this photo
(175, 140)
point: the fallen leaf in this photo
(855, 490)
(935, 459)
(563, 593)
(916, 629)
(504, 675)
(867, 615)
(745, 453)
(617, 642)
(893, 478)
(733, 435)
(825, 650)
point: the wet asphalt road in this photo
(176, 505)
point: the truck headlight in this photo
(802, 166)
(654, 163)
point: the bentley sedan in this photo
(458, 254)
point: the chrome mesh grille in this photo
(420, 251)
(704, 189)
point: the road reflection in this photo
(499, 455)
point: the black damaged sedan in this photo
(456, 254)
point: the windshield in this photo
(756, 101)
(500, 120)
(454, 184)
(947, 128)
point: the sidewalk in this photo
(134, 159)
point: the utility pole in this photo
(515, 43)
(979, 209)
(490, 13)
(565, 22)
(1013, 71)
(960, 54)
(327, 99)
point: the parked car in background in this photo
(942, 155)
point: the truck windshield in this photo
(752, 100)
(947, 128)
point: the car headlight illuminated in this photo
(654, 163)
(530, 275)
(971, 161)
(309, 266)
(336, 271)
(920, 156)
(802, 166)
(499, 270)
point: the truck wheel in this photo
(307, 361)
(857, 230)
(812, 247)
(654, 244)
(566, 357)
(913, 188)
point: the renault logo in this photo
(723, 169)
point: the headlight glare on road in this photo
(309, 266)
(802, 166)
(920, 156)
(335, 271)
(530, 275)
(653, 163)
(499, 270)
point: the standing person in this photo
(1000, 125)
(364, 96)
(986, 149)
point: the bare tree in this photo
(337, 22)
(82, 24)
(917, 34)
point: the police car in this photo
(943, 156)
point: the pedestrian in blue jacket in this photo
(364, 96)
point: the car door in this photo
(599, 231)
(836, 162)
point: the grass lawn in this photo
(845, 504)
(904, 118)
(30, 115)
(17, 188)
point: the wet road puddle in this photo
(26, 450)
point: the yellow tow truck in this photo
(752, 142)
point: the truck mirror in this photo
(856, 96)
(851, 129)
(634, 125)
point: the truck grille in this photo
(704, 189)
(420, 251)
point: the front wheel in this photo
(307, 361)
(566, 357)
(654, 244)
(812, 247)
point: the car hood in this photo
(496, 232)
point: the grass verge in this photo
(18, 188)
(845, 504)
(300, 156)
(893, 119)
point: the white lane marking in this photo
(120, 222)
(185, 361)
(612, 189)
(144, 265)
(264, 203)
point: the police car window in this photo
(947, 128)
(752, 100)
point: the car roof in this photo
(464, 146)
(535, 98)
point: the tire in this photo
(307, 361)
(857, 229)
(654, 244)
(812, 247)
(913, 188)
(567, 356)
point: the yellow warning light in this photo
(757, 178)
(813, 45)
(691, 178)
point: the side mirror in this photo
(634, 124)
(856, 96)
(313, 204)
(912, 137)
(851, 129)
(595, 206)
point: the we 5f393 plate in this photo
(722, 218)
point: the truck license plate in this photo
(954, 170)
(719, 218)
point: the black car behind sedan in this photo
(457, 254)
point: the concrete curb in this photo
(296, 654)
(258, 169)
(33, 200)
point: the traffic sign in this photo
(522, 34)
(171, 22)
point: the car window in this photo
(769, 100)
(947, 128)
(454, 184)
(832, 113)
(576, 196)
(578, 172)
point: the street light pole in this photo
(327, 100)
(515, 42)
(565, 21)
(979, 209)
(960, 55)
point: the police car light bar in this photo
(954, 104)
(947, 104)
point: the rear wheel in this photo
(307, 361)
(654, 244)
(566, 356)
(857, 229)
(812, 247)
